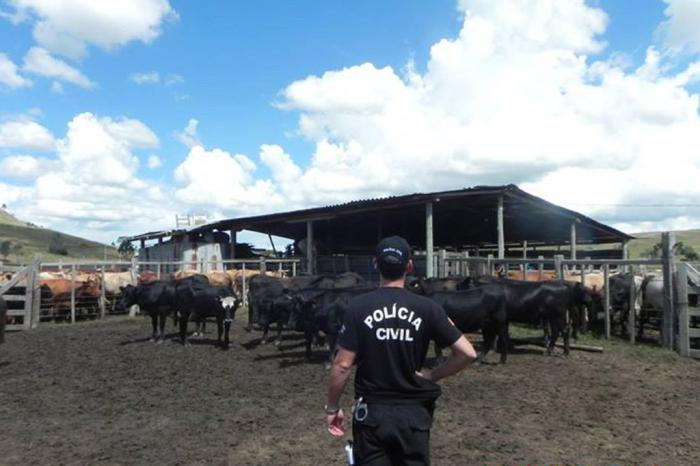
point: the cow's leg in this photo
(308, 337)
(227, 329)
(278, 339)
(575, 321)
(503, 341)
(489, 336)
(163, 318)
(219, 330)
(266, 330)
(154, 324)
(184, 317)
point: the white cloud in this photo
(25, 166)
(39, 61)
(172, 78)
(9, 76)
(67, 27)
(680, 32)
(57, 87)
(151, 77)
(188, 136)
(92, 186)
(24, 133)
(131, 132)
(280, 163)
(219, 179)
(154, 161)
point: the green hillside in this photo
(34, 240)
(646, 241)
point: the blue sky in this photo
(295, 106)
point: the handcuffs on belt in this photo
(359, 410)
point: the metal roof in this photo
(460, 217)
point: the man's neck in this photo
(386, 283)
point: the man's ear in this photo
(409, 267)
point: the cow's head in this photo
(303, 309)
(127, 299)
(230, 305)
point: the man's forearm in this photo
(336, 385)
(455, 363)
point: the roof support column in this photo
(573, 240)
(233, 243)
(501, 236)
(310, 259)
(429, 272)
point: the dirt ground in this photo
(98, 393)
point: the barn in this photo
(504, 221)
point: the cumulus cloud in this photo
(24, 133)
(172, 78)
(91, 184)
(151, 77)
(9, 76)
(67, 27)
(680, 31)
(189, 136)
(41, 62)
(154, 161)
(25, 166)
(216, 178)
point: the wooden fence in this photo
(27, 306)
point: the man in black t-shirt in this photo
(387, 332)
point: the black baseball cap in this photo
(393, 250)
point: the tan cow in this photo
(220, 279)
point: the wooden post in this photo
(682, 309)
(467, 269)
(36, 295)
(346, 259)
(429, 271)
(233, 243)
(29, 295)
(442, 263)
(501, 235)
(262, 267)
(606, 298)
(294, 269)
(310, 247)
(489, 264)
(244, 291)
(103, 296)
(573, 240)
(625, 254)
(668, 316)
(631, 315)
(540, 267)
(72, 294)
(133, 270)
(558, 268)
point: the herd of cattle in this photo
(315, 305)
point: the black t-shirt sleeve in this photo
(348, 335)
(444, 333)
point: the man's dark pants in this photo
(393, 434)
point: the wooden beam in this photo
(668, 316)
(429, 272)
(573, 240)
(232, 236)
(501, 235)
(681, 306)
(606, 298)
(310, 247)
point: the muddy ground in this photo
(98, 393)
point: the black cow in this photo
(580, 305)
(157, 298)
(322, 310)
(536, 303)
(482, 308)
(427, 286)
(621, 299)
(196, 299)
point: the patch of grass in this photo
(37, 240)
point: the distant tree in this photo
(8, 247)
(685, 251)
(126, 250)
(244, 251)
(56, 245)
